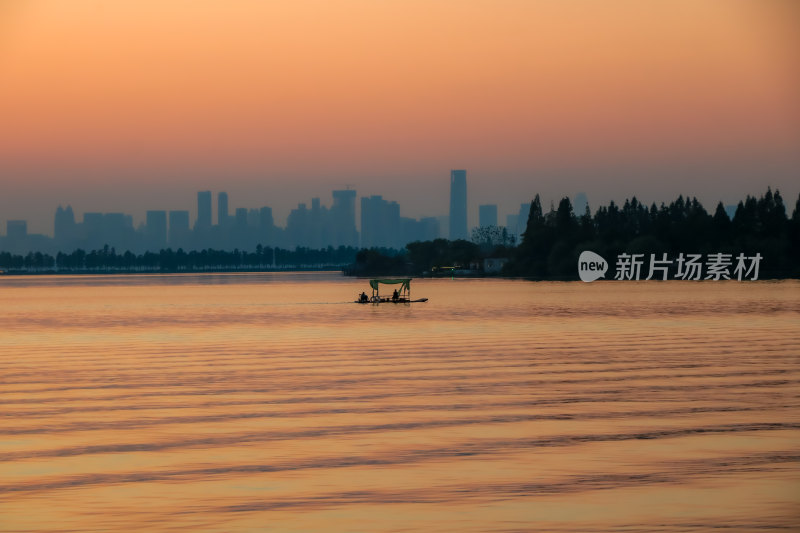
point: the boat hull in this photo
(390, 301)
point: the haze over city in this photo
(354, 265)
(136, 106)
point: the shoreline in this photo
(108, 271)
(326, 269)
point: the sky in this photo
(136, 105)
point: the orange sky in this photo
(134, 105)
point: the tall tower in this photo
(64, 227)
(487, 215)
(343, 218)
(203, 210)
(222, 208)
(156, 230)
(458, 204)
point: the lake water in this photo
(254, 402)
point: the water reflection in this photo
(241, 401)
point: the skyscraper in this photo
(458, 204)
(487, 215)
(343, 218)
(203, 210)
(156, 230)
(178, 228)
(65, 229)
(267, 232)
(380, 223)
(222, 208)
(241, 217)
(579, 204)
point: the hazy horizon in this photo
(40, 218)
(136, 106)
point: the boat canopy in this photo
(405, 282)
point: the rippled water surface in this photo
(269, 402)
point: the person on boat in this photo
(363, 297)
(395, 296)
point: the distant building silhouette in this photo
(579, 204)
(317, 228)
(267, 232)
(487, 215)
(319, 231)
(458, 204)
(16, 229)
(112, 229)
(380, 222)
(178, 229)
(382, 225)
(343, 219)
(156, 230)
(424, 229)
(203, 210)
(222, 209)
(93, 230)
(65, 230)
(429, 229)
(19, 241)
(512, 223)
(298, 226)
(516, 223)
(241, 217)
(522, 216)
(265, 218)
(444, 226)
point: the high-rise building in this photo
(203, 210)
(516, 223)
(319, 229)
(156, 230)
(487, 215)
(241, 217)
(93, 230)
(178, 228)
(512, 221)
(16, 229)
(343, 219)
(298, 227)
(380, 223)
(265, 217)
(458, 204)
(253, 217)
(222, 208)
(579, 204)
(267, 232)
(429, 228)
(65, 229)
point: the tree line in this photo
(108, 260)
(553, 240)
(549, 247)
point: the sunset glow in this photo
(185, 95)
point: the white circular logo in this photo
(591, 266)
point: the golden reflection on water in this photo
(269, 401)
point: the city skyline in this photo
(122, 106)
(40, 218)
(378, 223)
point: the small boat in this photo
(400, 295)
